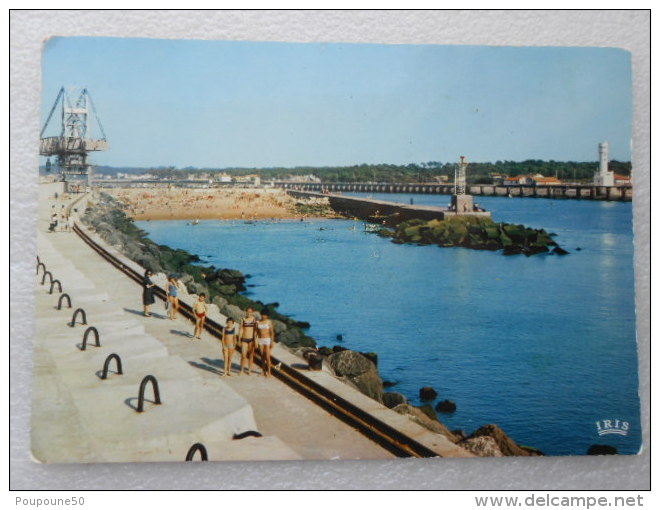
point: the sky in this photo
(218, 104)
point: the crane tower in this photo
(71, 148)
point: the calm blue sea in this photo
(543, 346)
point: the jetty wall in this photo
(393, 213)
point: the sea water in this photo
(543, 346)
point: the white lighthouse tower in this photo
(603, 177)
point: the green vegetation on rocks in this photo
(476, 233)
(222, 286)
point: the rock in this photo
(279, 326)
(427, 393)
(460, 433)
(428, 410)
(418, 416)
(602, 449)
(338, 348)
(357, 369)
(219, 301)
(506, 445)
(446, 406)
(371, 356)
(340, 337)
(560, 251)
(233, 311)
(483, 446)
(393, 399)
(197, 288)
(389, 384)
(325, 351)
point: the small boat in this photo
(195, 222)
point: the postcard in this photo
(253, 251)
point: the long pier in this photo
(80, 415)
(389, 212)
(561, 191)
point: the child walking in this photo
(200, 309)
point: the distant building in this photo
(531, 180)
(603, 176)
(223, 178)
(622, 179)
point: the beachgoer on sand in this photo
(247, 334)
(229, 335)
(200, 309)
(148, 293)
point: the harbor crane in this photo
(74, 143)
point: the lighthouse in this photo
(603, 177)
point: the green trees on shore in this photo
(431, 171)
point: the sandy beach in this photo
(234, 203)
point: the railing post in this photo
(143, 385)
(75, 315)
(59, 301)
(89, 330)
(52, 284)
(106, 365)
(43, 280)
(197, 447)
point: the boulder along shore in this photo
(112, 219)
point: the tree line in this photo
(432, 171)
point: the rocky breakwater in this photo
(223, 286)
(360, 371)
(475, 233)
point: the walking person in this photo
(266, 340)
(69, 223)
(200, 309)
(173, 296)
(229, 335)
(148, 293)
(247, 334)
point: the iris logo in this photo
(606, 427)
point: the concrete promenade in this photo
(78, 417)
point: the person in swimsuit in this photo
(200, 309)
(173, 296)
(247, 334)
(229, 335)
(266, 340)
(148, 293)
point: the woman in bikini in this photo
(247, 334)
(229, 335)
(200, 309)
(266, 340)
(173, 296)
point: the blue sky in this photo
(220, 104)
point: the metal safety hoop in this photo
(59, 301)
(40, 264)
(52, 285)
(89, 330)
(143, 386)
(197, 447)
(247, 433)
(106, 365)
(75, 315)
(50, 275)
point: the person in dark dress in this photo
(148, 293)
